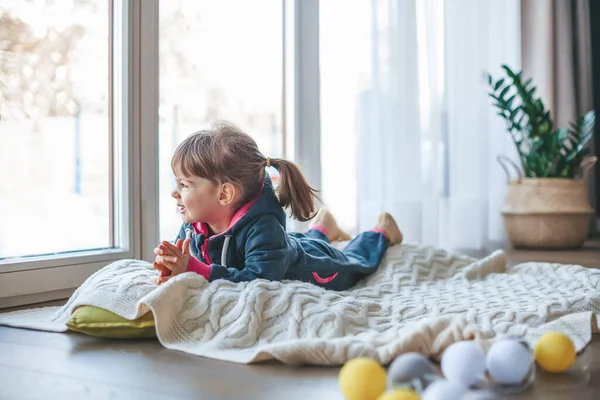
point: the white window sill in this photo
(34, 300)
(17, 287)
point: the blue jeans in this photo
(340, 270)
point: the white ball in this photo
(509, 362)
(464, 363)
(444, 390)
(481, 395)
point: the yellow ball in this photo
(399, 394)
(362, 379)
(555, 352)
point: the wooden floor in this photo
(40, 365)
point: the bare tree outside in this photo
(35, 65)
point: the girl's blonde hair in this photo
(225, 154)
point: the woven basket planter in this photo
(547, 213)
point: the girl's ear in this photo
(227, 194)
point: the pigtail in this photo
(294, 192)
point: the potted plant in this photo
(546, 205)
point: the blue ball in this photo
(409, 366)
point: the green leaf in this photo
(544, 128)
(588, 122)
(539, 105)
(575, 128)
(509, 101)
(515, 111)
(509, 72)
(498, 84)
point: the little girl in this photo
(234, 221)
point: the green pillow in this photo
(95, 321)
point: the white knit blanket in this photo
(421, 299)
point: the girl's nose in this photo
(175, 194)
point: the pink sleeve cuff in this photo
(197, 266)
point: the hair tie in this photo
(268, 162)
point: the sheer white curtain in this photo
(407, 126)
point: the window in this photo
(68, 181)
(55, 127)
(219, 60)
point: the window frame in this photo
(301, 92)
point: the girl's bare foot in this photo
(387, 224)
(325, 220)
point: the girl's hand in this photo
(163, 272)
(174, 258)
